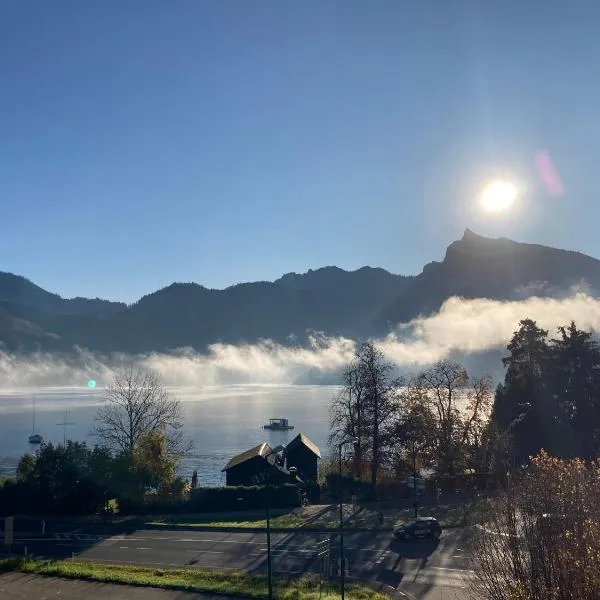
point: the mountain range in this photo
(356, 304)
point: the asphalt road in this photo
(413, 567)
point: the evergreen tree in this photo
(526, 405)
(576, 362)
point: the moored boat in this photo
(278, 425)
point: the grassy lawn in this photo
(468, 514)
(278, 519)
(232, 584)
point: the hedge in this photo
(231, 498)
(219, 499)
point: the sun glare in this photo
(498, 196)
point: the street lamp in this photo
(415, 476)
(275, 450)
(349, 440)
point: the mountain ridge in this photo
(361, 303)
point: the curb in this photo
(288, 530)
(378, 586)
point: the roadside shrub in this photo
(349, 486)
(232, 498)
(313, 492)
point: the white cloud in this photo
(472, 326)
(465, 326)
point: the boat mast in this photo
(64, 424)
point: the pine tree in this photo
(526, 406)
(576, 360)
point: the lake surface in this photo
(220, 420)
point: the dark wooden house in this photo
(303, 454)
(256, 466)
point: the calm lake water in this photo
(221, 420)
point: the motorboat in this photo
(278, 425)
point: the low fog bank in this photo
(471, 331)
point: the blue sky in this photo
(145, 142)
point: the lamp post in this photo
(415, 475)
(350, 440)
(275, 450)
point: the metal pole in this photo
(342, 561)
(415, 480)
(269, 572)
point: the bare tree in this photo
(414, 437)
(474, 439)
(541, 539)
(367, 408)
(136, 405)
(382, 398)
(347, 415)
(459, 410)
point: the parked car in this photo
(422, 527)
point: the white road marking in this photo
(69, 545)
(179, 540)
(142, 548)
(90, 537)
(229, 542)
(205, 551)
(450, 569)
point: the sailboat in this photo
(65, 424)
(35, 438)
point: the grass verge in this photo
(189, 580)
(282, 520)
(460, 516)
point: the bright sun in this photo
(498, 196)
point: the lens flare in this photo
(549, 174)
(91, 383)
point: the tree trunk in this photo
(375, 457)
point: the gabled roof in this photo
(261, 450)
(303, 440)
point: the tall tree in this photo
(456, 409)
(381, 403)
(526, 406)
(414, 438)
(366, 408)
(135, 406)
(348, 415)
(576, 379)
(439, 388)
(478, 440)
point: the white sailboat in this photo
(34, 438)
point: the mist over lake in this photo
(221, 420)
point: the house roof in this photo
(262, 450)
(303, 440)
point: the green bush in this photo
(231, 498)
(219, 499)
(349, 486)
